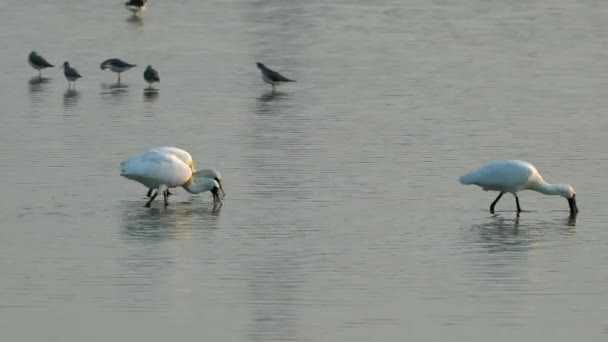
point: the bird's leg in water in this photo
(517, 202)
(495, 201)
(149, 193)
(166, 196)
(152, 199)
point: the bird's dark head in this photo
(215, 191)
(65, 64)
(260, 65)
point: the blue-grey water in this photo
(344, 219)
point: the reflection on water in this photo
(517, 233)
(37, 87)
(265, 102)
(150, 94)
(135, 20)
(272, 95)
(36, 83)
(70, 98)
(114, 88)
(177, 221)
(116, 92)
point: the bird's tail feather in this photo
(468, 178)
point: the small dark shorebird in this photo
(38, 62)
(71, 74)
(116, 65)
(136, 6)
(151, 76)
(272, 77)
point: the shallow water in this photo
(343, 220)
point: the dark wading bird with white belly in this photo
(151, 76)
(513, 176)
(116, 65)
(161, 171)
(38, 62)
(136, 6)
(70, 73)
(272, 77)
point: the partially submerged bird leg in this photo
(496, 201)
(166, 196)
(517, 202)
(151, 199)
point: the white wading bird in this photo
(513, 176)
(187, 158)
(161, 171)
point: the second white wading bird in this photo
(184, 156)
(161, 171)
(513, 176)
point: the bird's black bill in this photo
(573, 207)
(216, 195)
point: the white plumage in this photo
(161, 171)
(186, 157)
(513, 176)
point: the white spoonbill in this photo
(161, 171)
(187, 158)
(513, 176)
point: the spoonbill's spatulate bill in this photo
(38, 62)
(513, 176)
(161, 171)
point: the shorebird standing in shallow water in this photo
(116, 65)
(38, 62)
(136, 6)
(161, 171)
(151, 76)
(272, 77)
(513, 176)
(71, 74)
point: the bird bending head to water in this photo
(513, 176)
(185, 157)
(116, 65)
(161, 171)
(136, 6)
(151, 76)
(272, 77)
(71, 74)
(38, 62)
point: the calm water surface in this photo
(344, 220)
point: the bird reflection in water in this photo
(265, 102)
(37, 87)
(271, 96)
(36, 84)
(135, 21)
(150, 94)
(70, 97)
(114, 91)
(177, 221)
